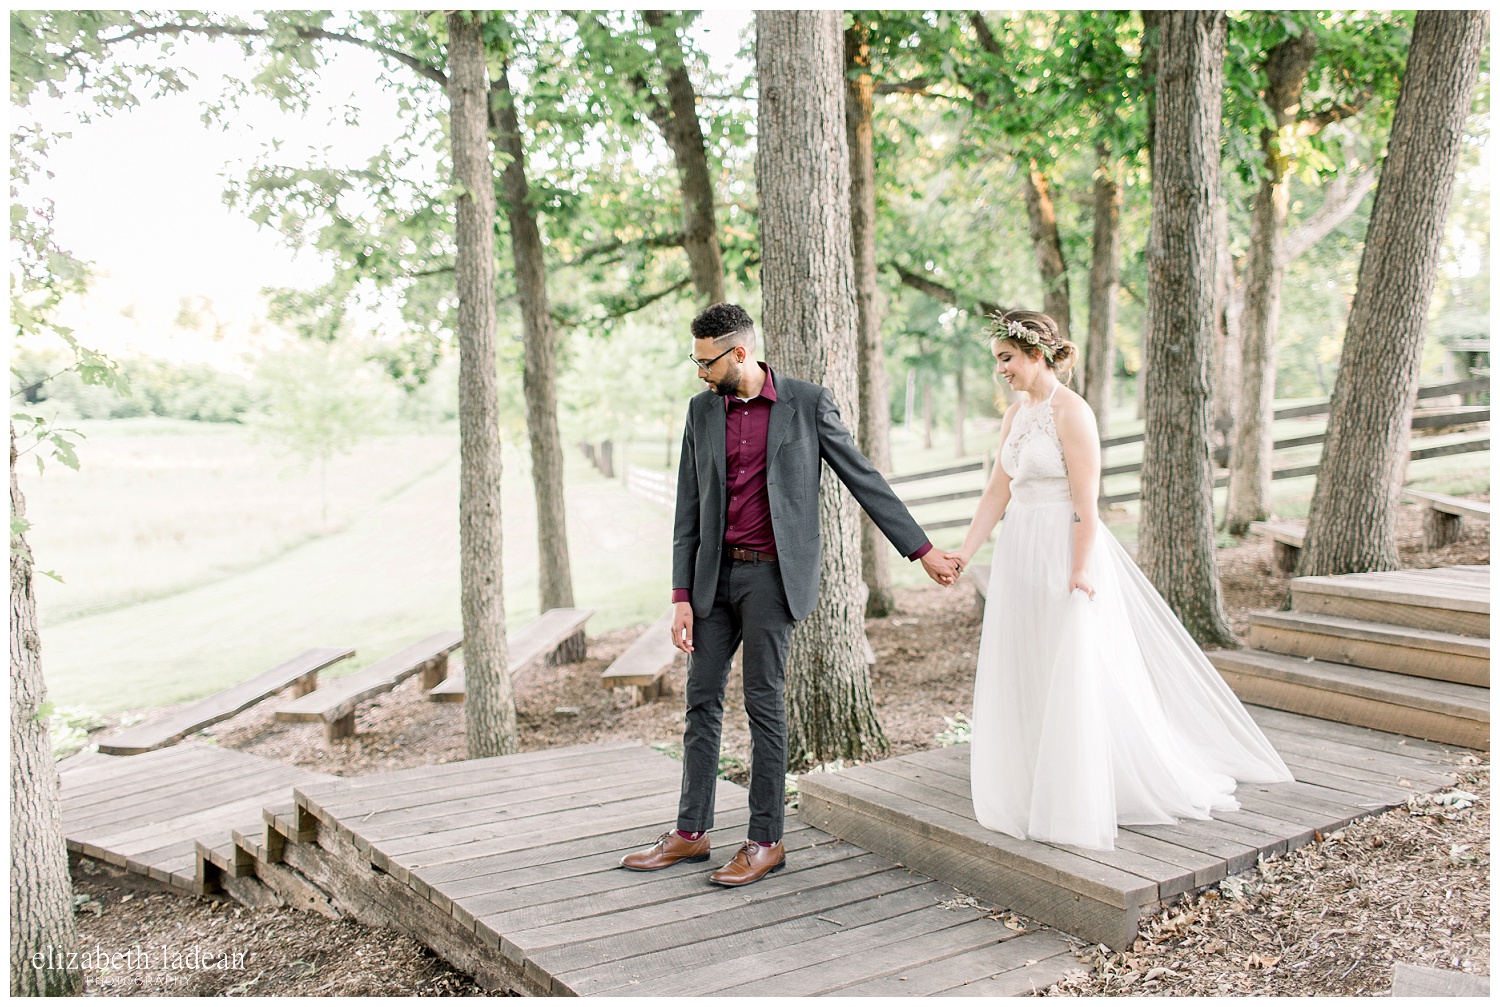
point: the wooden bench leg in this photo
(1440, 529)
(307, 683)
(574, 648)
(434, 671)
(1285, 557)
(343, 727)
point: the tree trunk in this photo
(1352, 522)
(958, 409)
(1177, 527)
(41, 891)
(807, 282)
(1250, 460)
(1226, 359)
(1047, 247)
(678, 122)
(927, 412)
(874, 396)
(489, 704)
(1104, 294)
(539, 382)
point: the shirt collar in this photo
(767, 390)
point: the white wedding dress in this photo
(1092, 713)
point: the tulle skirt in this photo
(1090, 714)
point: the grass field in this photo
(235, 575)
(193, 559)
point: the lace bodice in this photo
(1033, 458)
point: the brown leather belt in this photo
(752, 556)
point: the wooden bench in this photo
(644, 665)
(555, 638)
(1443, 518)
(300, 674)
(334, 704)
(1286, 542)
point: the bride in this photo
(1092, 706)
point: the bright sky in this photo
(140, 195)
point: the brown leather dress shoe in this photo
(670, 848)
(751, 863)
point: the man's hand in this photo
(940, 566)
(682, 626)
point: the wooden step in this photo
(1446, 601)
(1425, 653)
(1416, 707)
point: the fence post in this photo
(607, 458)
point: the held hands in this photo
(943, 567)
(682, 626)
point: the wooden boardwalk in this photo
(916, 809)
(1406, 651)
(146, 813)
(508, 868)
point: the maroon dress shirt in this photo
(748, 523)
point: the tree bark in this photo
(1226, 360)
(1047, 247)
(1351, 525)
(959, 409)
(927, 412)
(678, 122)
(539, 382)
(874, 395)
(1176, 527)
(1250, 460)
(1104, 294)
(41, 890)
(807, 279)
(489, 704)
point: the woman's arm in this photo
(1079, 435)
(992, 502)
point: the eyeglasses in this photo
(708, 364)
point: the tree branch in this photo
(940, 292)
(673, 240)
(422, 67)
(1341, 200)
(1335, 113)
(918, 85)
(987, 40)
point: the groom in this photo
(746, 567)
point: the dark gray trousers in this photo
(750, 607)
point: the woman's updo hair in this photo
(1036, 334)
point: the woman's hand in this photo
(1080, 582)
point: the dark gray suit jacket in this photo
(805, 430)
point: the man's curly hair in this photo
(720, 321)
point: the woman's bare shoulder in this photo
(1070, 409)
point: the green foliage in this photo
(321, 400)
(957, 732)
(69, 727)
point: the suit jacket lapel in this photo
(715, 416)
(782, 411)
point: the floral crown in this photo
(1000, 328)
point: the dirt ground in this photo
(1258, 934)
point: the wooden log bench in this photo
(300, 675)
(1286, 542)
(1443, 516)
(554, 638)
(644, 665)
(334, 704)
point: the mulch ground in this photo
(1410, 885)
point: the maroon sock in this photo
(765, 844)
(690, 836)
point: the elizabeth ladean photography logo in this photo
(193, 958)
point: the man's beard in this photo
(729, 384)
